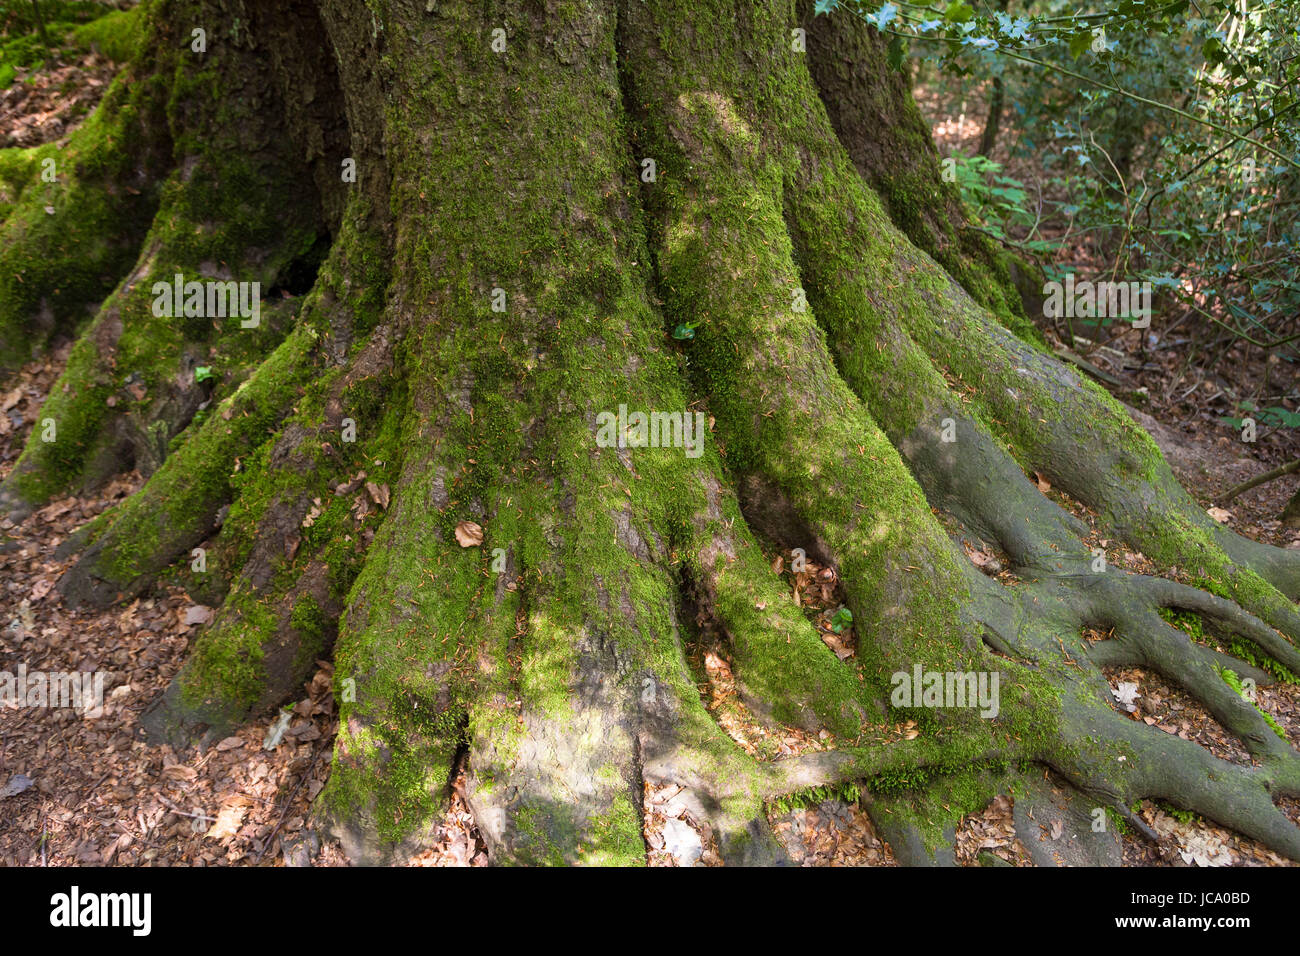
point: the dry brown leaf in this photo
(468, 534)
(378, 494)
(197, 614)
(228, 822)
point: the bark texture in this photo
(440, 337)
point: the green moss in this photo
(224, 677)
(117, 35)
(614, 838)
(176, 509)
(1232, 680)
(63, 263)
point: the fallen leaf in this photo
(468, 534)
(1126, 693)
(197, 614)
(227, 825)
(379, 494)
(16, 785)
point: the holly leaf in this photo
(959, 12)
(1080, 43)
(883, 17)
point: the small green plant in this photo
(1185, 817)
(202, 373)
(1185, 621)
(1274, 416)
(1117, 821)
(998, 201)
(802, 799)
(841, 620)
(1243, 650)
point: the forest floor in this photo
(84, 788)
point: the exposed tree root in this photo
(236, 203)
(84, 207)
(407, 468)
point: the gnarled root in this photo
(421, 471)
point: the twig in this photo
(1277, 472)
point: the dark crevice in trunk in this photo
(299, 276)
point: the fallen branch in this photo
(1261, 479)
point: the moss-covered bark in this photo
(77, 210)
(874, 116)
(236, 207)
(406, 468)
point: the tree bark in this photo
(402, 466)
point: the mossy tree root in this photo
(239, 202)
(724, 255)
(505, 591)
(80, 208)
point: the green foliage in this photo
(802, 799)
(70, 28)
(1185, 621)
(1185, 817)
(1275, 416)
(1166, 131)
(997, 201)
(1245, 651)
(1192, 625)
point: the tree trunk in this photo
(403, 464)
